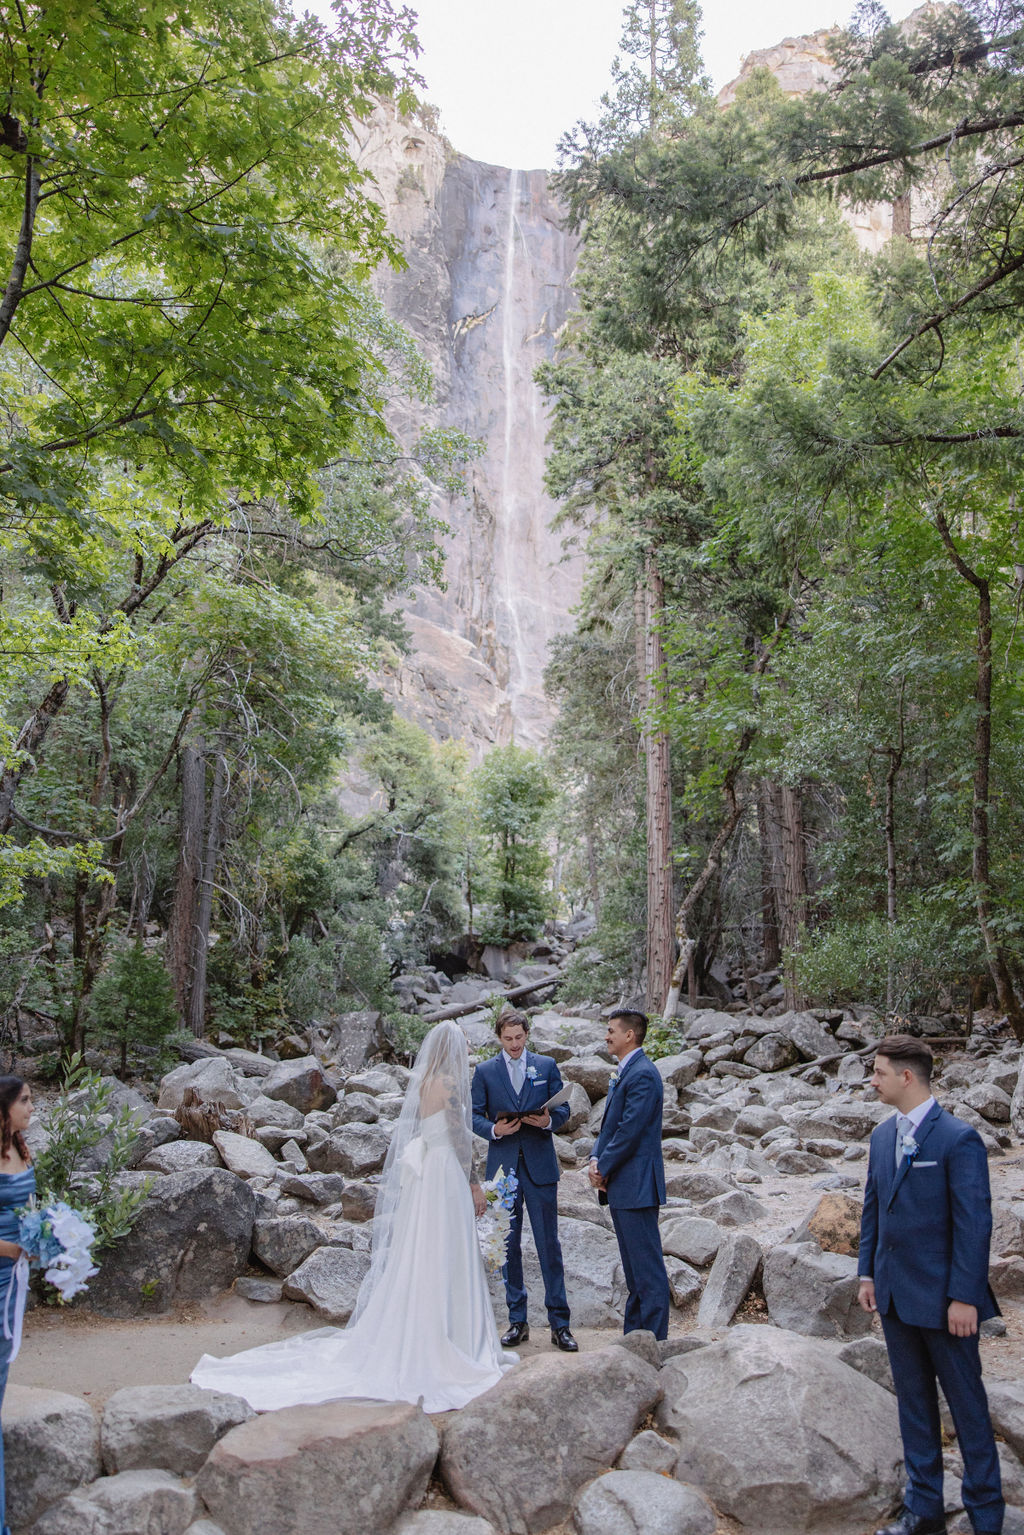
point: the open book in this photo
(552, 1103)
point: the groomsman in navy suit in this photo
(628, 1171)
(923, 1258)
(508, 1092)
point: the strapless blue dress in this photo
(15, 1191)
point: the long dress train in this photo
(427, 1329)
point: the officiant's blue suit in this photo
(530, 1154)
(629, 1158)
(924, 1240)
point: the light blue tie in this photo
(904, 1126)
(518, 1075)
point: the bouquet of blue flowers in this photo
(59, 1240)
(494, 1226)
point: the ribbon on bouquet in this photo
(14, 1306)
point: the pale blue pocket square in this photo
(924, 1164)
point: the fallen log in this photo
(461, 1009)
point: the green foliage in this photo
(133, 1007)
(925, 956)
(79, 1123)
(663, 1038)
(512, 794)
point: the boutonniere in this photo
(531, 1072)
(613, 1079)
(910, 1147)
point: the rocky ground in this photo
(768, 1409)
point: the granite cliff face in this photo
(486, 291)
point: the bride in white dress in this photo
(423, 1326)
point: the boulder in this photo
(329, 1281)
(757, 1119)
(355, 1150)
(772, 1052)
(190, 1239)
(692, 1238)
(592, 1073)
(798, 1164)
(442, 1521)
(989, 1101)
(314, 1188)
(300, 1083)
(813, 1292)
(51, 1446)
(155, 1132)
(810, 1037)
(255, 1288)
(692, 1183)
(519, 1453)
(170, 1427)
(342, 1468)
(732, 1274)
(736, 1208)
(871, 1357)
(642, 1503)
(680, 1070)
(131, 1503)
(244, 1157)
(648, 1451)
(283, 1242)
(1006, 1409)
(355, 1037)
(213, 1079)
(1007, 1229)
(355, 1109)
(579, 1110)
(375, 1082)
(830, 1456)
(1006, 1276)
(274, 1112)
(178, 1156)
(834, 1224)
(684, 1283)
(359, 1201)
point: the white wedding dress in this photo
(424, 1326)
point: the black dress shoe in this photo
(517, 1333)
(915, 1524)
(562, 1338)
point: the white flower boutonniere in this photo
(910, 1147)
(613, 1079)
(531, 1072)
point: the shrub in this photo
(133, 1007)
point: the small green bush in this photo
(853, 959)
(133, 1008)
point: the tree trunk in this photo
(980, 863)
(196, 1014)
(794, 871)
(771, 949)
(181, 927)
(895, 756)
(660, 927)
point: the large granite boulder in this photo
(131, 1503)
(329, 1281)
(592, 1073)
(829, 1456)
(274, 1112)
(355, 1038)
(642, 1503)
(190, 1239)
(355, 1150)
(810, 1037)
(300, 1083)
(243, 1156)
(680, 1070)
(813, 1292)
(519, 1453)
(1006, 1409)
(343, 1468)
(834, 1223)
(579, 1110)
(283, 1242)
(355, 1109)
(179, 1156)
(213, 1079)
(732, 1274)
(772, 1052)
(170, 1427)
(692, 1238)
(51, 1446)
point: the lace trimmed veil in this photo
(440, 1084)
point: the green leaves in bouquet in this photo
(79, 1121)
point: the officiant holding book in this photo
(510, 1111)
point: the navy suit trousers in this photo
(919, 1356)
(648, 1295)
(541, 1200)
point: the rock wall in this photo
(487, 289)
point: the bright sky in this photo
(510, 76)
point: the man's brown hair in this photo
(631, 1020)
(511, 1018)
(907, 1053)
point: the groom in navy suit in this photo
(923, 1260)
(508, 1093)
(627, 1169)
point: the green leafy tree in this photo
(133, 1007)
(512, 793)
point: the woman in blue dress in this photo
(17, 1185)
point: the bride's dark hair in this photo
(10, 1091)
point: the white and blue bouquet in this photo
(59, 1240)
(494, 1225)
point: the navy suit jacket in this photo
(628, 1149)
(926, 1226)
(493, 1095)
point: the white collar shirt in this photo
(626, 1059)
(917, 1116)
